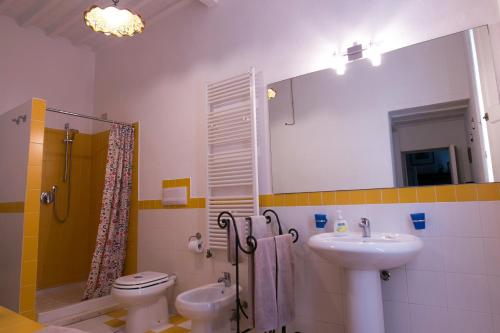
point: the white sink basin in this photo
(363, 259)
(380, 251)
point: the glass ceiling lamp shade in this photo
(113, 21)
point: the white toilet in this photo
(144, 296)
(209, 307)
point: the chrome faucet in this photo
(365, 227)
(226, 279)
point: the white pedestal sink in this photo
(363, 259)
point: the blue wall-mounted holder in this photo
(418, 220)
(320, 220)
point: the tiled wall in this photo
(163, 239)
(450, 193)
(453, 285)
(32, 211)
(65, 248)
(169, 183)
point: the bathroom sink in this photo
(363, 258)
(380, 251)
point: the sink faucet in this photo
(365, 227)
(226, 279)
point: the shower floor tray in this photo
(63, 305)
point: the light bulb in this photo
(375, 56)
(340, 69)
(339, 64)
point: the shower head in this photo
(69, 136)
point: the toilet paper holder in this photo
(197, 236)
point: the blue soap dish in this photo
(418, 220)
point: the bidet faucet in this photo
(226, 279)
(365, 227)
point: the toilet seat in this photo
(141, 280)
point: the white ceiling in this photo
(64, 18)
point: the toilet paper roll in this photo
(195, 245)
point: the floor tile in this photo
(115, 323)
(118, 314)
(176, 320)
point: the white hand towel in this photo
(266, 310)
(240, 224)
(286, 280)
(260, 227)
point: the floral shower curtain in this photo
(111, 244)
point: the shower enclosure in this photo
(73, 172)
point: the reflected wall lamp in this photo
(356, 52)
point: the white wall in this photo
(14, 146)
(166, 67)
(11, 240)
(34, 65)
(452, 286)
(158, 79)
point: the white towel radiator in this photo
(232, 183)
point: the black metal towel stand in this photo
(223, 221)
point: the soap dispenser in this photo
(340, 225)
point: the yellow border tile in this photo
(290, 199)
(373, 196)
(446, 193)
(466, 192)
(12, 207)
(315, 199)
(390, 195)
(488, 192)
(426, 194)
(302, 199)
(358, 197)
(343, 197)
(328, 198)
(407, 195)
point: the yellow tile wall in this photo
(12, 207)
(65, 249)
(31, 211)
(448, 193)
(75, 255)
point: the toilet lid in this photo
(139, 280)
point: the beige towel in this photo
(260, 228)
(286, 280)
(240, 224)
(266, 310)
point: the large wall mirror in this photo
(428, 115)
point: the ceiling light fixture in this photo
(113, 21)
(356, 52)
